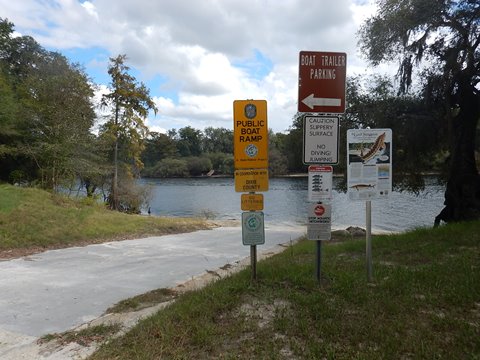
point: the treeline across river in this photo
(191, 152)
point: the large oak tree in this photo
(440, 39)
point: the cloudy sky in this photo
(198, 56)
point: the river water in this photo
(286, 203)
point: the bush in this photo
(17, 177)
(198, 165)
(130, 196)
(221, 162)
(228, 166)
(168, 168)
(277, 163)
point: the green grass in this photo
(32, 218)
(424, 303)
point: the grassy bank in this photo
(424, 303)
(35, 219)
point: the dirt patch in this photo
(261, 312)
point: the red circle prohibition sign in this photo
(319, 210)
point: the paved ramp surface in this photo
(60, 289)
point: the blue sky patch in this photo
(95, 60)
(257, 67)
(158, 86)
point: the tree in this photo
(18, 57)
(92, 167)
(293, 145)
(444, 37)
(189, 141)
(218, 140)
(130, 103)
(57, 117)
(45, 110)
(158, 146)
(21, 54)
(8, 110)
(277, 160)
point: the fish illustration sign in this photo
(369, 160)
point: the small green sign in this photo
(253, 229)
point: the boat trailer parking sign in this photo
(321, 82)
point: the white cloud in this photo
(91, 10)
(198, 47)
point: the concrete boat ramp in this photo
(60, 290)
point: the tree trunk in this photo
(462, 195)
(114, 204)
(114, 195)
(90, 187)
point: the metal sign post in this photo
(318, 262)
(369, 240)
(253, 261)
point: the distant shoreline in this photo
(227, 176)
(224, 176)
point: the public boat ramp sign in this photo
(250, 134)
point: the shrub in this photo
(198, 165)
(169, 168)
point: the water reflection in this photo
(286, 203)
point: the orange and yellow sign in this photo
(250, 134)
(252, 202)
(251, 180)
